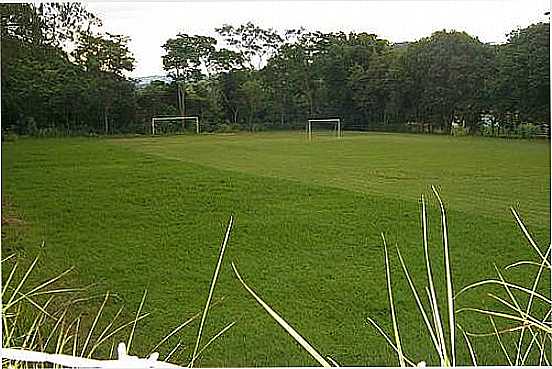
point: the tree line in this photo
(265, 79)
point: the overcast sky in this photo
(150, 24)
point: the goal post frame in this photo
(336, 120)
(183, 119)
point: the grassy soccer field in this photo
(137, 213)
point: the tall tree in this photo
(184, 57)
(254, 43)
(448, 73)
(523, 82)
(105, 58)
(52, 24)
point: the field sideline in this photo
(136, 213)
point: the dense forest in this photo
(62, 76)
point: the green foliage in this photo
(448, 73)
(252, 42)
(104, 53)
(527, 130)
(459, 131)
(45, 24)
(186, 54)
(267, 79)
(523, 82)
(46, 91)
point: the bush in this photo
(257, 127)
(227, 128)
(526, 130)
(9, 136)
(459, 131)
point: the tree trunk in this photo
(106, 123)
(181, 99)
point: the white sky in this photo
(150, 24)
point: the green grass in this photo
(150, 213)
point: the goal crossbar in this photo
(335, 120)
(160, 119)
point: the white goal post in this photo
(335, 121)
(183, 119)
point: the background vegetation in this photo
(61, 75)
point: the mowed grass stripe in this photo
(131, 221)
(480, 175)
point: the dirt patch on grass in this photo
(9, 214)
(14, 228)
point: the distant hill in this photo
(144, 81)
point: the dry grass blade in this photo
(212, 288)
(520, 263)
(528, 350)
(115, 331)
(32, 331)
(528, 319)
(68, 335)
(27, 273)
(111, 350)
(59, 322)
(96, 318)
(174, 331)
(528, 236)
(131, 336)
(173, 351)
(509, 284)
(7, 283)
(35, 333)
(431, 290)
(436, 320)
(47, 283)
(62, 338)
(448, 273)
(292, 332)
(76, 335)
(389, 341)
(516, 308)
(36, 305)
(104, 332)
(470, 347)
(392, 305)
(543, 352)
(500, 342)
(213, 339)
(7, 258)
(333, 361)
(9, 336)
(507, 330)
(419, 303)
(529, 303)
(53, 292)
(538, 324)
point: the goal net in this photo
(331, 126)
(168, 125)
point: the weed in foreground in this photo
(53, 337)
(539, 328)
